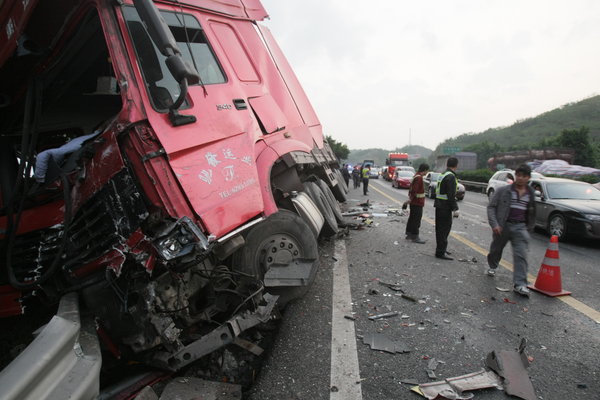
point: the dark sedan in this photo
(430, 183)
(565, 207)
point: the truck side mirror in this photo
(162, 37)
(157, 27)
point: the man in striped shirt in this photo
(511, 214)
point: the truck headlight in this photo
(179, 239)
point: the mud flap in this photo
(299, 272)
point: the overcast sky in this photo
(375, 71)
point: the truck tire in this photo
(283, 238)
(330, 227)
(333, 203)
(341, 190)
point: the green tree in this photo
(579, 140)
(339, 148)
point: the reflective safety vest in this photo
(365, 173)
(439, 195)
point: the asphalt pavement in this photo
(451, 311)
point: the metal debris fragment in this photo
(385, 315)
(454, 388)
(378, 341)
(511, 366)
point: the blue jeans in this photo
(518, 236)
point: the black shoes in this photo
(443, 257)
(419, 240)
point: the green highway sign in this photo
(451, 150)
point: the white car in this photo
(505, 177)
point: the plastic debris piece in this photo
(502, 289)
(350, 317)
(507, 300)
(455, 388)
(379, 215)
(385, 315)
(380, 342)
(396, 242)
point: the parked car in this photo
(402, 179)
(374, 172)
(505, 177)
(430, 183)
(565, 207)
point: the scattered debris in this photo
(350, 317)
(407, 297)
(581, 386)
(431, 366)
(378, 341)
(395, 287)
(380, 252)
(373, 292)
(453, 388)
(379, 215)
(334, 389)
(502, 289)
(396, 242)
(547, 314)
(507, 300)
(365, 204)
(511, 366)
(195, 388)
(386, 315)
(409, 381)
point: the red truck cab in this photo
(161, 160)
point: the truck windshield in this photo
(399, 163)
(188, 33)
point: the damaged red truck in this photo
(161, 161)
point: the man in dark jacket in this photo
(511, 214)
(445, 207)
(416, 199)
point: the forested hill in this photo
(379, 155)
(531, 132)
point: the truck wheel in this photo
(330, 227)
(333, 203)
(340, 190)
(279, 241)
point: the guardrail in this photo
(474, 186)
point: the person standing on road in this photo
(511, 214)
(416, 199)
(365, 178)
(445, 207)
(356, 177)
(346, 174)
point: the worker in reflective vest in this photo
(365, 178)
(416, 199)
(445, 207)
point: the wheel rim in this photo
(279, 249)
(557, 226)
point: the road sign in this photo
(451, 150)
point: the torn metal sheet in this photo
(454, 388)
(511, 365)
(431, 366)
(189, 388)
(378, 341)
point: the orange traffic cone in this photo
(548, 280)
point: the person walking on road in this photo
(511, 214)
(416, 199)
(365, 178)
(356, 176)
(445, 207)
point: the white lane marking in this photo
(345, 373)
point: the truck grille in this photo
(105, 220)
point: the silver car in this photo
(505, 177)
